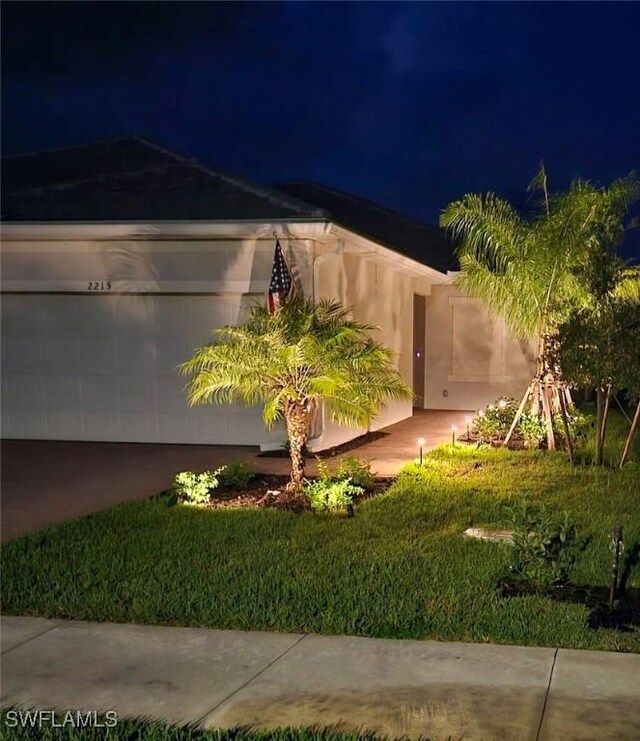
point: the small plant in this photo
(237, 475)
(358, 470)
(195, 488)
(494, 421)
(533, 430)
(544, 549)
(325, 495)
(580, 426)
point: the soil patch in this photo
(624, 617)
(269, 491)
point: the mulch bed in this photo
(624, 616)
(269, 491)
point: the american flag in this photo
(281, 286)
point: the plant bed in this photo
(268, 491)
(624, 616)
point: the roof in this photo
(131, 179)
(421, 242)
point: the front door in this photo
(419, 337)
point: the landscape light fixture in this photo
(421, 442)
(467, 420)
(453, 434)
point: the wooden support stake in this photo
(630, 436)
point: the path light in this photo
(467, 420)
(421, 442)
(453, 434)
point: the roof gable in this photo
(421, 242)
(134, 180)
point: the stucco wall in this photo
(379, 295)
(471, 357)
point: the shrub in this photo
(579, 425)
(533, 430)
(544, 549)
(195, 488)
(326, 495)
(493, 422)
(358, 470)
(237, 475)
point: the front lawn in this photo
(398, 569)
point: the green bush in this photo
(580, 426)
(544, 549)
(533, 430)
(325, 495)
(237, 475)
(358, 470)
(195, 488)
(493, 422)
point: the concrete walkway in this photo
(227, 678)
(44, 482)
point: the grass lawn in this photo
(138, 729)
(398, 569)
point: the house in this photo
(120, 257)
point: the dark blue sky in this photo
(409, 104)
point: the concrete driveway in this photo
(44, 482)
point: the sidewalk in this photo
(228, 678)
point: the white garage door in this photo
(102, 367)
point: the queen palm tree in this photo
(531, 270)
(289, 361)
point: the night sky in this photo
(408, 104)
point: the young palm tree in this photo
(530, 271)
(304, 353)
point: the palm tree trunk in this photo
(297, 420)
(630, 436)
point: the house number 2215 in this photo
(99, 285)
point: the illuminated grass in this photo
(398, 569)
(146, 730)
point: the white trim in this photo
(50, 231)
(366, 247)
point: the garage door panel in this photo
(98, 354)
(97, 393)
(68, 424)
(63, 322)
(24, 392)
(137, 394)
(103, 367)
(172, 398)
(61, 354)
(24, 354)
(22, 424)
(95, 315)
(62, 392)
(98, 426)
(131, 427)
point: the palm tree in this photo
(304, 353)
(530, 271)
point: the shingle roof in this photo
(422, 242)
(134, 180)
